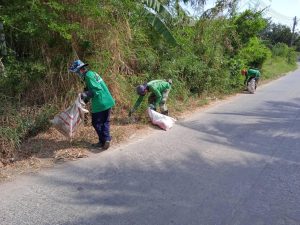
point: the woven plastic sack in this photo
(69, 120)
(163, 121)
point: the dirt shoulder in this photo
(51, 147)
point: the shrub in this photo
(291, 56)
(254, 53)
(280, 49)
(19, 123)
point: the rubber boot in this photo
(166, 112)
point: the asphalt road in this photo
(234, 163)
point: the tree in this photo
(275, 33)
(255, 53)
(249, 24)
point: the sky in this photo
(280, 11)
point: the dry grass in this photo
(51, 147)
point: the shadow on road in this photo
(196, 190)
(268, 130)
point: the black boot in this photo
(165, 112)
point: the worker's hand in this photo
(84, 96)
(151, 106)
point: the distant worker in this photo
(102, 101)
(159, 94)
(251, 73)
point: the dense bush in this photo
(18, 123)
(249, 24)
(291, 56)
(255, 53)
(280, 49)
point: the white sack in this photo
(163, 121)
(68, 121)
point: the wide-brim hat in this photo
(77, 65)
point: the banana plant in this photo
(156, 14)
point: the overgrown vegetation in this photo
(128, 42)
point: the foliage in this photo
(255, 53)
(21, 76)
(221, 6)
(297, 42)
(157, 19)
(291, 56)
(249, 24)
(280, 49)
(21, 123)
(275, 67)
(277, 33)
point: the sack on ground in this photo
(163, 121)
(68, 121)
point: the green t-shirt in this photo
(101, 99)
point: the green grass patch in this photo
(275, 67)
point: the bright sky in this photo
(281, 11)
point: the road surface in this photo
(234, 163)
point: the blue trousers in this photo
(101, 123)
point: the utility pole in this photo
(293, 31)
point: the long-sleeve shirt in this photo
(157, 87)
(252, 73)
(101, 97)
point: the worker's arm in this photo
(136, 105)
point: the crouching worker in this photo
(102, 101)
(251, 73)
(159, 94)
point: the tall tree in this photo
(275, 33)
(249, 24)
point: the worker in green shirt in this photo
(102, 101)
(251, 73)
(159, 94)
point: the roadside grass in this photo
(276, 67)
